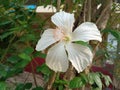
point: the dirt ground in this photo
(25, 77)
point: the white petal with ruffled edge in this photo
(86, 31)
(80, 56)
(47, 39)
(57, 58)
(63, 20)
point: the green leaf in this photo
(16, 28)
(44, 69)
(39, 54)
(62, 82)
(90, 79)
(8, 71)
(5, 23)
(3, 86)
(18, 16)
(3, 70)
(115, 33)
(28, 37)
(107, 80)
(38, 88)
(11, 71)
(82, 43)
(76, 82)
(6, 34)
(21, 64)
(42, 55)
(60, 87)
(28, 85)
(25, 56)
(28, 50)
(97, 80)
(20, 87)
(13, 59)
(84, 77)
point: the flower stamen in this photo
(67, 38)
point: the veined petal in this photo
(46, 40)
(80, 56)
(63, 20)
(57, 58)
(87, 31)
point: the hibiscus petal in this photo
(80, 56)
(87, 31)
(57, 58)
(46, 40)
(63, 20)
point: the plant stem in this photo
(69, 74)
(51, 81)
(83, 88)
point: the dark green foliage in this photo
(77, 82)
(18, 37)
(23, 86)
(93, 79)
(3, 86)
(44, 69)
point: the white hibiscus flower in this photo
(65, 49)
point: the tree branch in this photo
(88, 18)
(58, 5)
(84, 11)
(51, 81)
(104, 16)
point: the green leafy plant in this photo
(20, 29)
